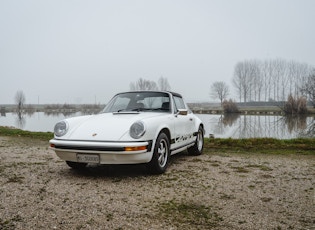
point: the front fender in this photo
(153, 128)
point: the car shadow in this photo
(111, 171)
(122, 171)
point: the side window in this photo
(179, 103)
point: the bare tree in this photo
(273, 79)
(256, 82)
(270, 70)
(237, 82)
(163, 84)
(243, 79)
(220, 90)
(266, 75)
(308, 88)
(19, 99)
(143, 84)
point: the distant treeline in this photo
(77, 107)
(265, 103)
(31, 108)
(243, 104)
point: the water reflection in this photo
(37, 121)
(222, 126)
(246, 126)
(295, 123)
(2, 111)
(69, 113)
(229, 119)
(57, 113)
(20, 119)
(309, 131)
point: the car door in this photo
(184, 123)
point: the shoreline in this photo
(51, 108)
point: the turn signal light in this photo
(138, 148)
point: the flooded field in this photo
(221, 126)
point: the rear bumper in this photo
(108, 152)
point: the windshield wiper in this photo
(125, 111)
(141, 109)
(160, 109)
(149, 109)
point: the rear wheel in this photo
(76, 165)
(161, 154)
(197, 148)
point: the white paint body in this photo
(107, 135)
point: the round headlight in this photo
(137, 130)
(61, 128)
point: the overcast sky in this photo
(79, 51)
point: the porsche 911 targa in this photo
(134, 127)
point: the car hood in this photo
(105, 126)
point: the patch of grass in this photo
(261, 145)
(261, 167)
(251, 186)
(9, 224)
(195, 160)
(171, 177)
(7, 131)
(6, 224)
(227, 197)
(186, 215)
(266, 199)
(15, 179)
(240, 170)
(14, 165)
(109, 217)
(266, 176)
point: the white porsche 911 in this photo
(135, 127)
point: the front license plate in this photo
(88, 158)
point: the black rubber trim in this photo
(182, 146)
(113, 149)
(89, 148)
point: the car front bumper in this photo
(105, 152)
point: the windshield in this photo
(139, 101)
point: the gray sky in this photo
(81, 51)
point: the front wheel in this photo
(197, 148)
(161, 154)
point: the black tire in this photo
(197, 148)
(76, 165)
(161, 154)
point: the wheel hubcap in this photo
(162, 153)
(199, 140)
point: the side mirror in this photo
(183, 112)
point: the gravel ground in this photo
(212, 191)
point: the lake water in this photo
(234, 126)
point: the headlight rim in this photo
(138, 134)
(59, 133)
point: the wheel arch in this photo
(203, 128)
(166, 131)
